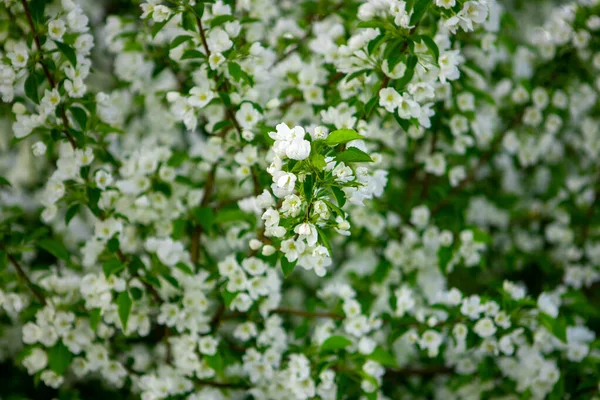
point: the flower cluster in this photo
(375, 199)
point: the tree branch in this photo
(26, 279)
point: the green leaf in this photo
(80, 116)
(342, 136)
(4, 182)
(318, 161)
(179, 40)
(184, 268)
(124, 304)
(95, 316)
(358, 73)
(36, 8)
(371, 24)
(112, 266)
(432, 47)
(286, 266)
(239, 74)
(205, 217)
(192, 54)
(59, 358)
(371, 104)
(228, 297)
(555, 326)
(113, 245)
(136, 293)
(376, 43)
(419, 10)
(215, 362)
(188, 22)
(309, 182)
(383, 357)
(55, 248)
(68, 52)
(71, 212)
(444, 257)
(335, 343)
(221, 19)
(352, 154)
(340, 196)
(31, 88)
(221, 124)
(334, 208)
(157, 26)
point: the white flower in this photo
(38, 148)
(200, 96)
(298, 149)
(56, 29)
(485, 327)
(247, 116)
(389, 99)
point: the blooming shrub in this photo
(260, 199)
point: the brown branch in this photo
(216, 319)
(36, 39)
(26, 279)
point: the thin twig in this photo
(26, 279)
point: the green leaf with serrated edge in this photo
(286, 266)
(352, 154)
(342, 136)
(55, 248)
(124, 304)
(112, 266)
(339, 195)
(68, 52)
(337, 342)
